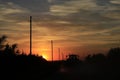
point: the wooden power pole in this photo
(59, 53)
(52, 49)
(30, 35)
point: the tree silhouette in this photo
(13, 47)
(2, 40)
(88, 57)
(114, 53)
(95, 58)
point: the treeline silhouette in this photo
(18, 65)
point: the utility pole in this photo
(59, 53)
(62, 56)
(52, 49)
(30, 35)
(118, 44)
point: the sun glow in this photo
(45, 56)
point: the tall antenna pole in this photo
(52, 49)
(30, 35)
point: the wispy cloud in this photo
(69, 6)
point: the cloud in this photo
(10, 8)
(32, 5)
(73, 23)
(115, 1)
(102, 2)
(70, 6)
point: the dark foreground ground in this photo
(31, 67)
(60, 71)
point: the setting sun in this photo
(44, 56)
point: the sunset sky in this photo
(75, 26)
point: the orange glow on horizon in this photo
(45, 57)
(45, 52)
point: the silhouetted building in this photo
(72, 59)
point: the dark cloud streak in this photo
(32, 5)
